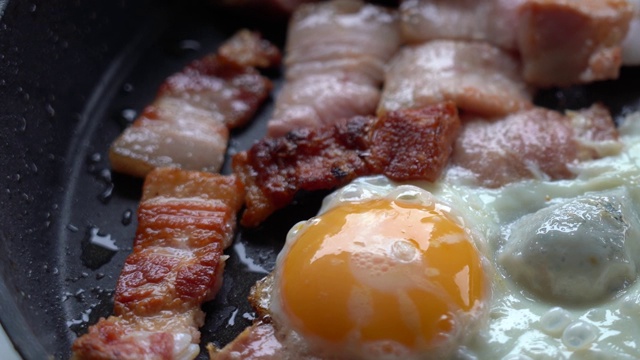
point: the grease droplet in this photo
(127, 217)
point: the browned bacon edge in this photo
(185, 221)
(249, 49)
(187, 125)
(258, 341)
(403, 145)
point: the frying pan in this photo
(73, 74)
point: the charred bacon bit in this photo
(187, 126)
(336, 53)
(185, 221)
(275, 169)
(410, 144)
(257, 342)
(564, 42)
(478, 77)
(536, 143)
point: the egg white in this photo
(520, 325)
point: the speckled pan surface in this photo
(72, 76)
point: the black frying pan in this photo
(72, 76)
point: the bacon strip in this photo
(536, 143)
(336, 53)
(187, 126)
(491, 21)
(186, 219)
(566, 42)
(403, 145)
(259, 340)
(560, 42)
(478, 77)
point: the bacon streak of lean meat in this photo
(536, 143)
(186, 219)
(187, 125)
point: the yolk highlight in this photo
(381, 270)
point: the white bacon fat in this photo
(478, 77)
(491, 21)
(187, 126)
(336, 53)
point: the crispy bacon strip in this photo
(403, 145)
(185, 221)
(187, 126)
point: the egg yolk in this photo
(381, 271)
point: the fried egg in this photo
(533, 270)
(391, 275)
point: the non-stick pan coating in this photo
(72, 76)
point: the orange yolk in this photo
(382, 270)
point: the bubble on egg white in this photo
(554, 321)
(404, 251)
(579, 335)
(390, 267)
(376, 187)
